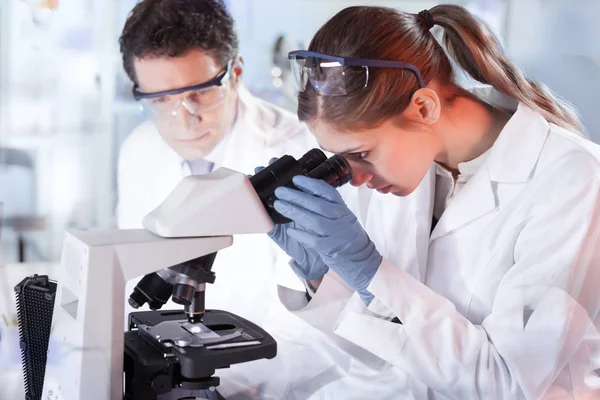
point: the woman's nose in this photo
(360, 177)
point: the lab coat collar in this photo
(245, 122)
(516, 150)
(511, 159)
(252, 115)
(515, 153)
(475, 199)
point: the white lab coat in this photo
(502, 300)
(250, 273)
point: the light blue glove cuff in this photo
(358, 268)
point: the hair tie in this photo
(426, 18)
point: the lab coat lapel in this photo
(512, 160)
(168, 169)
(476, 199)
(243, 135)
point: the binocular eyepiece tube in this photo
(334, 170)
(184, 283)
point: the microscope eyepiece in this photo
(312, 159)
(336, 171)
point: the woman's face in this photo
(391, 158)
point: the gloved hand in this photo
(323, 222)
(306, 263)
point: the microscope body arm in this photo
(87, 334)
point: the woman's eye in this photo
(361, 155)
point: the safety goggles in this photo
(194, 99)
(337, 76)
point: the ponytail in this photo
(479, 53)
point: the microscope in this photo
(165, 351)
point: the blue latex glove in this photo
(306, 263)
(323, 222)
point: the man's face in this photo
(195, 121)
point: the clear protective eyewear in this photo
(337, 76)
(196, 99)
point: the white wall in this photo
(558, 43)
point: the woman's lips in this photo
(384, 189)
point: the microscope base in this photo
(153, 367)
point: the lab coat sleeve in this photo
(324, 308)
(541, 339)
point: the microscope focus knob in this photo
(183, 294)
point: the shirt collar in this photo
(216, 156)
(466, 168)
(469, 168)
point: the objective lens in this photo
(195, 310)
(151, 289)
(183, 294)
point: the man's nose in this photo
(360, 177)
(190, 116)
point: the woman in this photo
(506, 302)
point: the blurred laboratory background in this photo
(65, 102)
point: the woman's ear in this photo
(424, 107)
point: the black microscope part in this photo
(336, 171)
(151, 289)
(198, 269)
(312, 159)
(35, 305)
(183, 294)
(151, 369)
(195, 311)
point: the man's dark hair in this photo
(171, 28)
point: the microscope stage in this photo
(163, 351)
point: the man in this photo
(211, 120)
